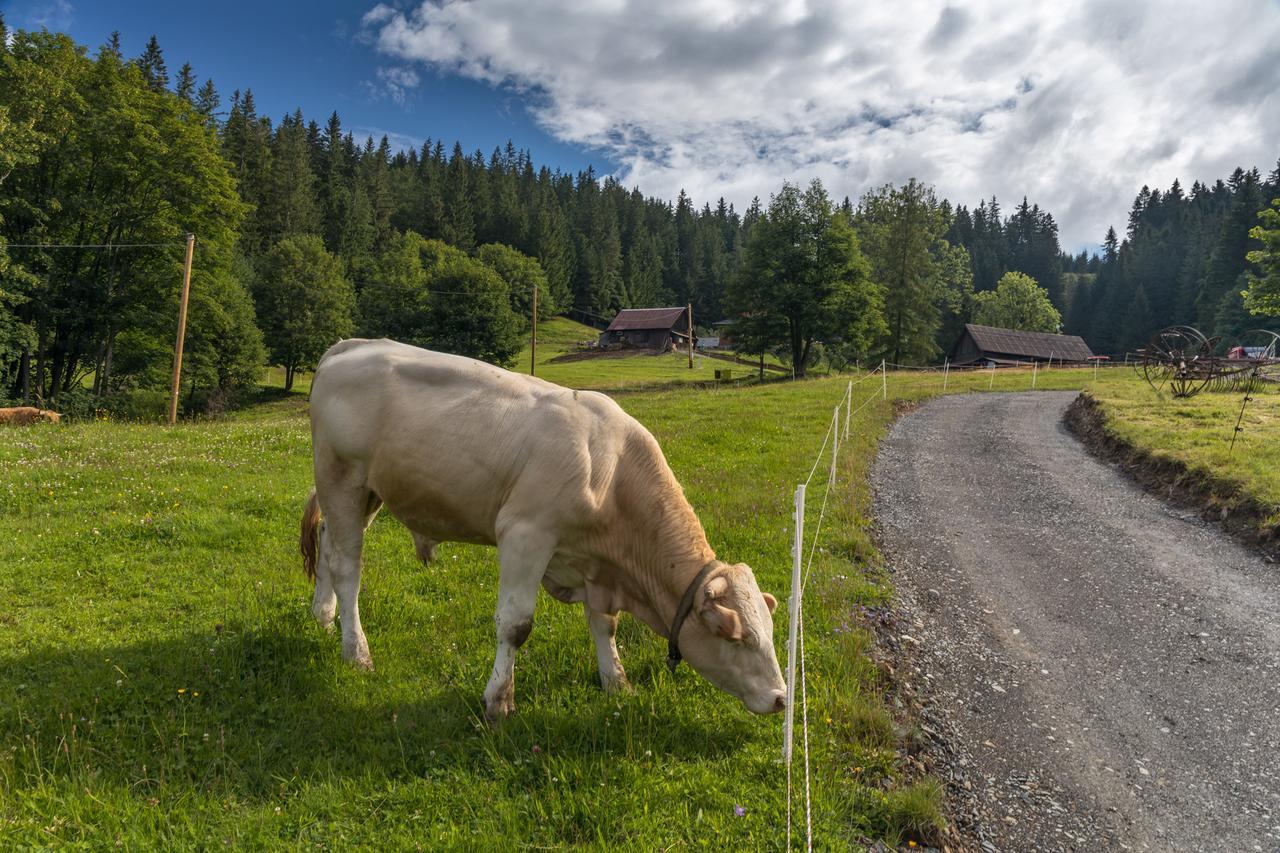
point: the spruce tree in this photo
(207, 103)
(151, 63)
(186, 86)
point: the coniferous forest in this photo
(306, 234)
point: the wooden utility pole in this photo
(533, 341)
(182, 330)
(691, 336)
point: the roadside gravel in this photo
(1098, 670)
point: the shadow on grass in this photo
(246, 711)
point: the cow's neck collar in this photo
(682, 612)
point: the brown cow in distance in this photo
(24, 415)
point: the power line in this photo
(90, 245)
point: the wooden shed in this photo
(649, 328)
(986, 345)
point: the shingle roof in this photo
(1030, 344)
(645, 318)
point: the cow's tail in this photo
(309, 541)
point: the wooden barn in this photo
(987, 345)
(648, 328)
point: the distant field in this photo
(560, 335)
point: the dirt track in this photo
(1104, 669)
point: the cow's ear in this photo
(770, 602)
(724, 622)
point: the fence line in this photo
(802, 565)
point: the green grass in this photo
(162, 682)
(1197, 432)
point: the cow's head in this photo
(728, 639)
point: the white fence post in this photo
(991, 383)
(797, 550)
(946, 373)
(835, 444)
(1035, 366)
(848, 406)
(884, 380)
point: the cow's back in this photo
(448, 441)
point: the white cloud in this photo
(1074, 104)
(395, 83)
(52, 15)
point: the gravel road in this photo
(1102, 670)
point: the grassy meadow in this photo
(558, 336)
(163, 684)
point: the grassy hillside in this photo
(560, 335)
(633, 371)
(162, 682)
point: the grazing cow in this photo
(575, 493)
(24, 415)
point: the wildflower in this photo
(536, 749)
(182, 690)
(740, 811)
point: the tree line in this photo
(1184, 259)
(307, 234)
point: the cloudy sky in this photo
(1073, 104)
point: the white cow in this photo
(575, 493)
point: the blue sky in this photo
(1074, 104)
(310, 55)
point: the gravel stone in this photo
(1095, 668)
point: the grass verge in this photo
(1181, 449)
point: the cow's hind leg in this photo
(324, 603)
(523, 554)
(603, 628)
(348, 511)
(425, 548)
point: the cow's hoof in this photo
(497, 712)
(618, 684)
(360, 659)
(500, 705)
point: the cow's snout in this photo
(770, 703)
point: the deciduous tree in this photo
(305, 303)
(1018, 302)
(803, 280)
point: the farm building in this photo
(650, 328)
(986, 345)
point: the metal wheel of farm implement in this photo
(1179, 357)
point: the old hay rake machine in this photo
(1186, 362)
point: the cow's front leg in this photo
(523, 555)
(604, 627)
